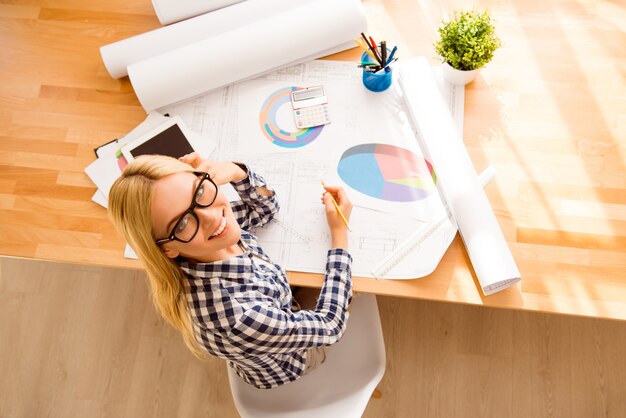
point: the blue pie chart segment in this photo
(387, 172)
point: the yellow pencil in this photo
(343, 218)
(359, 43)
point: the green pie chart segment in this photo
(387, 172)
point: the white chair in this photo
(340, 387)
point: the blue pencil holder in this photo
(376, 82)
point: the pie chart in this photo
(387, 172)
(275, 131)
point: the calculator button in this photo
(312, 116)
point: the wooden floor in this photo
(86, 342)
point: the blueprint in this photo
(367, 129)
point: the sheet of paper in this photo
(129, 252)
(298, 238)
(371, 149)
(100, 198)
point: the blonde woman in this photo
(210, 278)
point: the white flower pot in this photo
(458, 77)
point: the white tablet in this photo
(172, 138)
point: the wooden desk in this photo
(549, 112)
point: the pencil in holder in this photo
(375, 81)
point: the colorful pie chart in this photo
(387, 172)
(281, 135)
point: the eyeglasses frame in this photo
(172, 236)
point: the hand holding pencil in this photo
(338, 210)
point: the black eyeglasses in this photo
(186, 227)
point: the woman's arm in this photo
(258, 203)
(265, 328)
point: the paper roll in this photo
(301, 34)
(457, 181)
(119, 55)
(193, 57)
(170, 11)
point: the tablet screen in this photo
(170, 142)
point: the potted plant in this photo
(466, 43)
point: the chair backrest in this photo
(340, 387)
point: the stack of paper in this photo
(112, 155)
(110, 162)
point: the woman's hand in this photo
(338, 229)
(221, 172)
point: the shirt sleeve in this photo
(265, 328)
(254, 209)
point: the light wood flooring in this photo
(86, 342)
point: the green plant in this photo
(468, 40)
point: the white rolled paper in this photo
(295, 31)
(457, 181)
(117, 56)
(170, 11)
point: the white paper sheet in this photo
(364, 126)
(259, 47)
(100, 198)
(129, 252)
(170, 11)
(458, 183)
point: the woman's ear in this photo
(169, 253)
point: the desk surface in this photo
(549, 112)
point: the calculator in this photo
(310, 107)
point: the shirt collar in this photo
(230, 268)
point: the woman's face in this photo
(218, 231)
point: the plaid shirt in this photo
(241, 307)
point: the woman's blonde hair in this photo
(130, 202)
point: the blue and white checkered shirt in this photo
(241, 307)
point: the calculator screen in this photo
(309, 93)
